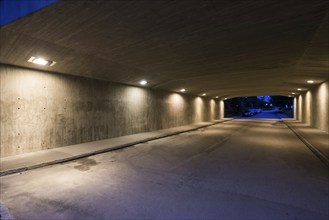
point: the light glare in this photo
(183, 90)
(41, 61)
(143, 82)
(310, 81)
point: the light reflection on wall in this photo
(295, 108)
(41, 110)
(322, 100)
(198, 106)
(135, 110)
(212, 109)
(300, 108)
(308, 104)
(136, 99)
(221, 109)
(176, 106)
(313, 107)
(176, 101)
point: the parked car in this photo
(247, 114)
(255, 111)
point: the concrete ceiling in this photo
(222, 48)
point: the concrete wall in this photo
(313, 107)
(41, 110)
(295, 108)
(221, 109)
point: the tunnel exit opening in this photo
(270, 107)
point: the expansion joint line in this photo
(316, 152)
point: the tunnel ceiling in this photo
(224, 48)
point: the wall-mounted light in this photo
(143, 82)
(41, 61)
(310, 81)
(183, 90)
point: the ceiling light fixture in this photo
(293, 93)
(310, 81)
(183, 90)
(216, 97)
(299, 89)
(143, 82)
(204, 94)
(41, 61)
(225, 98)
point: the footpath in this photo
(316, 140)
(33, 160)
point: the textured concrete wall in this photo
(40, 110)
(295, 108)
(313, 107)
(221, 109)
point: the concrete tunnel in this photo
(76, 73)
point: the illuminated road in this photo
(266, 115)
(234, 170)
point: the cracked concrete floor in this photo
(234, 170)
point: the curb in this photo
(118, 147)
(316, 152)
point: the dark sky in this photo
(11, 10)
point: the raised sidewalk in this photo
(33, 160)
(316, 140)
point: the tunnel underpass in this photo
(123, 109)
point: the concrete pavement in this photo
(316, 137)
(233, 170)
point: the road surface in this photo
(233, 170)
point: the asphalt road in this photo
(270, 114)
(234, 170)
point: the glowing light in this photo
(299, 89)
(183, 90)
(204, 94)
(216, 97)
(310, 81)
(293, 93)
(143, 82)
(41, 61)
